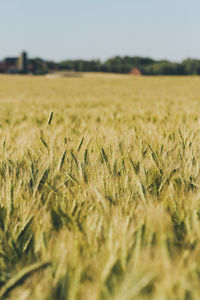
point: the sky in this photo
(99, 29)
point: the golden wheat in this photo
(99, 181)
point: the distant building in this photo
(135, 72)
(23, 63)
(15, 65)
(9, 65)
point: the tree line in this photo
(123, 65)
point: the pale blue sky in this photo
(67, 29)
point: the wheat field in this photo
(99, 188)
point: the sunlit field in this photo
(99, 188)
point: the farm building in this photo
(14, 65)
(135, 72)
(9, 65)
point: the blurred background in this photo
(107, 36)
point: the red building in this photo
(14, 65)
(9, 65)
(135, 72)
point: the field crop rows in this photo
(99, 188)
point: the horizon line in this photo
(100, 59)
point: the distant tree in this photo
(118, 64)
(191, 66)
